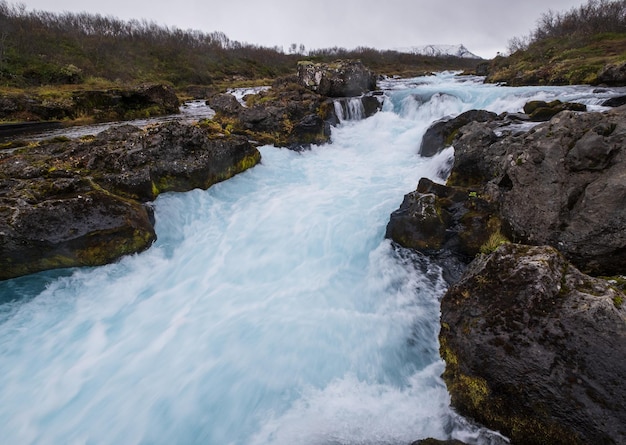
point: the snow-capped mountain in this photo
(440, 51)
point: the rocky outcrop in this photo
(617, 101)
(286, 115)
(441, 134)
(436, 217)
(532, 345)
(100, 105)
(342, 78)
(535, 349)
(225, 103)
(80, 202)
(120, 104)
(560, 184)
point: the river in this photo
(271, 310)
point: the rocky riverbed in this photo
(534, 346)
(84, 201)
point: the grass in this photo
(560, 61)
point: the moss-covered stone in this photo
(66, 203)
(532, 347)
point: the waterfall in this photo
(271, 310)
(349, 109)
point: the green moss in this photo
(12, 144)
(450, 138)
(560, 61)
(108, 247)
(618, 281)
(155, 190)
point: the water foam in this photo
(270, 310)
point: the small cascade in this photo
(349, 109)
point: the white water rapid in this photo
(270, 311)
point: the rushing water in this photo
(270, 311)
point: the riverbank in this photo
(529, 210)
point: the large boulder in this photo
(613, 74)
(616, 101)
(65, 222)
(437, 217)
(286, 115)
(441, 134)
(562, 184)
(225, 103)
(67, 203)
(338, 79)
(535, 349)
(141, 164)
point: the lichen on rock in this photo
(533, 347)
(66, 202)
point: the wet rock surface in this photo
(535, 349)
(533, 346)
(561, 183)
(80, 202)
(286, 115)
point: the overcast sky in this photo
(483, 26)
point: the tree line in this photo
(39, 47)
(593, 18)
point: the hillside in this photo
(585, 45)
(41, 48)
(556, 61)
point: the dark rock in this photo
(163, 97)
(286, 115)
(541, 111)
(535, 349)
(419, 223)
(613, 74)
(141, 164)
(441, 134)
(66, 222)
(474, 164)
(225, 103)
(66, 203)
(482, 69)
(342, 78)
(22, 107)
(371, 104)
(125, 104)
(560, 184)
(564, 185)
(436, 217)
(615, 102)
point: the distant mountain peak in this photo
(440, 51)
